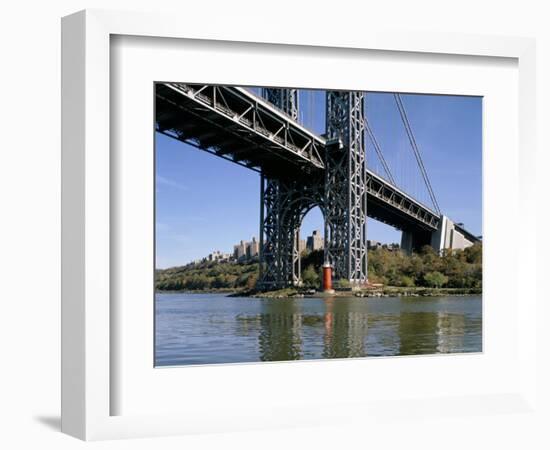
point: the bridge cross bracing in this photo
(299, 170)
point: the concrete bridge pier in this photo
(407, 241)
(449, 235)
(413, 241)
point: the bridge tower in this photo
(279, 226)
(345, 192)
(341, 194)
(301, 170)
(284, 99)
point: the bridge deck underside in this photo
(382, 212)
(389, 205)
(271, 143)
(224, 121)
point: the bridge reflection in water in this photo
(284, 327)
(286, 332)
(212, 328)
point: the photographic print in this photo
(307, 224)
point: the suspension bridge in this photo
(300, 170)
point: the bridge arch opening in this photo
(311, 244)
(303, 223)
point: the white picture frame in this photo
(89, 323)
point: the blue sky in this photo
(205, 203)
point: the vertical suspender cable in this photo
(416, 151)
(379, 153)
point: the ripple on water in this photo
(213, 328)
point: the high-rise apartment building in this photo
(239, 250)
(315, 241)
(252, 248)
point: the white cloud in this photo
(171, 183)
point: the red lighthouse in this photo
(327, 277)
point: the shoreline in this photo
(288, 293)
(371, 293)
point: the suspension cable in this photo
(416, 151)
(378, 150)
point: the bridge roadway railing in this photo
(245, 124)
(242, 118)
(389, 204)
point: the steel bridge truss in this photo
(346, 187)
(284, 99)
(300, 170)
(284, 203)
(404, 209)
(181, 114)
(233, 123)
(341, 193)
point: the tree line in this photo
(452, 269)
(209, 275)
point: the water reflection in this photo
(450, 332)
(345, 330)
(193, 329)
(280, 334)
(286, 330)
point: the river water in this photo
(213, 328)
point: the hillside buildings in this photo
(246, 250)
(315, 241)
(218, 256)
(373, 245)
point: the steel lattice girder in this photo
(234, 123)
(284, 99)
(237, 125)
(346, 187)
(342, 194)
(284, 203)
(269, 227)
(184, 114)
(279, 254)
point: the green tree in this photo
(406, 281)
(310, 277)
(474, 254)
(435, 279)
(459, 269)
